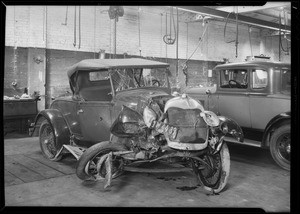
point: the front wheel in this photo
(89, 161)
(280, 146)
(214, 173)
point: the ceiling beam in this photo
(242, 19)
(247, 9)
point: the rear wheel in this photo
(214, 174)
(280, 146)
(91, 158)
(48, 141)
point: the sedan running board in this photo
(246, 142)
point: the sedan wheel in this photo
(280, 146)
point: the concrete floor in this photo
(31, 180)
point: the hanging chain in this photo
(198, 45)
(66, 18)
(249, 33)
(237, 31)
(168, 37)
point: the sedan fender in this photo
(58, 123)
(274, 123)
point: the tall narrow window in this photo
(286, 81)
(260, 79)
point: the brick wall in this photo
(41, 26)
(16, 68)
(30, 30)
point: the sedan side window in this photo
(234, 78)
(260, 79)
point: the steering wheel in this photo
(155, 81)
(234, 83)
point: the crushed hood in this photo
(136, 98)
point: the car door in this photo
(233, 95)
(95, 120)
(260, 102)
(94, 111)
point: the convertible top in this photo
(97, 64)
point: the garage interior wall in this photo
(39, 44)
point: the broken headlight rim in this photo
(210, 118)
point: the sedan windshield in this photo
(129, 78)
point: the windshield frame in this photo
(114, 90)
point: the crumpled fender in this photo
(128, 123)
(229, 126)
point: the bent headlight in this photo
(210, 118)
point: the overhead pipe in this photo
(279, 38)
(139, 26)
(166, 34)
(79, 28)
(177, 36)
(237, 34)
(242, 19)
(74, 44)
(115, 38)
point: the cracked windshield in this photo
(124, 79)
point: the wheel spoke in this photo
(209, 175)
(283, 147)
(47, 140)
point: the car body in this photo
(256, 94)
(122, 111)
(98, 93)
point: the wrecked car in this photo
(121, 115)
(257, 95)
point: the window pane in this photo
(98, 75)
(260, 78)
(124, 79)
(234, 78)
(286, 81)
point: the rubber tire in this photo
(92, 152)
(43, 125)
(225, 160)
(275, 136)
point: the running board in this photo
(246, 142)
(76, 151)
